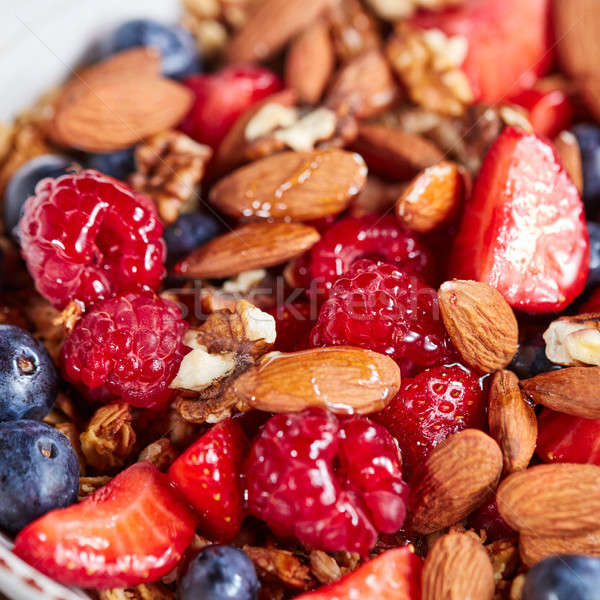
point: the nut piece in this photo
(455, 479)
(342, 379)
(109, 438)
(295, 186)
(70, 431)
(317, 126)
(151, 591)
(574, 341)
(552, 500)
(170, 165)
(432, 198)
(355, 31)
(268, 118)
(534, 548)
(281, 564)
(480, 322)
(394, 10)
(324, 567)
(252, 246)
(573, 391)
(160, 453)
(512, 422)
(570, 155)
(445, 576)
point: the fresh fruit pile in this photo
(313, 312)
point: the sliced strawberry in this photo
(564, 438)
(394, 575)
(222, 97)
(509, 43)
(524, 230)
(549, 112)
(133, 530)
(208, 475)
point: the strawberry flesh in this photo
(549, 112)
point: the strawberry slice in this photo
(564, 438)
(508, 43)
(394, 575)
(549, 112)
(133, 530)
(524, 230)
(208, 475)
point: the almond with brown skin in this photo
(455, 479)
(251, 246)
(296, 186)
(589, 88)
(432, 198)
(552, 500)
(340, 379)
(445, 576)
(534, 548)
(480, 322)
(512, 421)
(570, 155)
(573, 391)
(271, 26)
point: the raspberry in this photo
(379, 307)
(293, 324)
(129, 346)
(332, 484)
(431, 406)
(372, 236)
(86, 236)
(488, 518)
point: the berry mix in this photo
(301, 299)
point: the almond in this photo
(296, 186)
(534, 548)
(570, 155)
(445, 576)
(590, 92)
(341, 379)
(252, 246)
(117, 112)
(480, 322)
(391, 152)
(432, 198)
(259, 39)
(552, 500)
(455, 479)
(573, 391)
(512, 421)
(310, 62)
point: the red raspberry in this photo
(87, 236)
(293, 323)
(332, 484)
(372, 236)
(431, 406)
(488, 518)
(128, 346)
(379, 307)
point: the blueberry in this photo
(594, 276)
(564, 577)
(588, 137)
(22, 184)
(176, 45)
(187, 233)
(219, 573)
(28, 378)
(530, 361)
(117, 164)
(39, 472)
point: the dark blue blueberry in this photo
(594, 276)
(22, 184)
(219, 573)
(177, 45)
(28, 378)
(530, 361)
(588, 137)
(39, 472)
(564, 577)
(119, 164)
(187, 233)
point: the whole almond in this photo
(552, 500)
(310, 62)
(570, 155)
(480, 322)
(573, 391)
(295, 186)
(432, 198)
(251, 246)
(341, 379)
(455, 479)
(512, 421)
(534, 548)
(445, 576)
(589, 88)
(271, 26)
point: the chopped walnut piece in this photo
(429, 63)
(394, 10)
(109, 438)
(72, 434)
(317, 126)
(574, 341)
(324, 567)
(354, 30)
(70, 315)
(516, 588)
(270, 117)
(160, 453)
(281, 565)
(169, 167)
(152, 591)
(504, 555)
(244, 282)
(88, 485)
